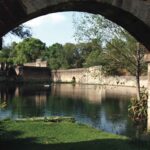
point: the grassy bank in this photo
(65, 135)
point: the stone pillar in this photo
(147, 59)
(148, 110)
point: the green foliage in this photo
(73, 55)
(119, 50)
(6, 54)
(90, 26)
(86, 48)
(28, 50)
(94, 59)
(122, 52)
(70, 53)
(3, 105)
(138, 109)
(55, 56)
(100, 42)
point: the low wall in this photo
(93, 75)
(125, 81)
(81, 75)
(33, 73)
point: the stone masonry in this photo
(133, 15)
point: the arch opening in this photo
(117, 11)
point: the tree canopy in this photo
(28, 50)
(100, 42)
(119, 50)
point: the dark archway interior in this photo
(14, 14)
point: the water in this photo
(103, 107)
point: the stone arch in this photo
(134, 16)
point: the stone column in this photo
(148, 87)
(147, 59)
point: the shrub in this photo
(3, 105)
(138, 109)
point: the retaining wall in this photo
(93, 75)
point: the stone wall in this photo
(33, 73)
(125, 81)
(93, 75)
(81, 75)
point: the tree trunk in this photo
(138, 70)
(1, 43)
(1, 46)
(138, 86)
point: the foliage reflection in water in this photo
(102, 107)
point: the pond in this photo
(103, 107)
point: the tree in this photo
(71, 54)
(6, 53)
(94, 59)
(127, 54)
(20, 31)
(90, 26)
(91, 53)
(55, 56)
(28, 50)
(119, 48)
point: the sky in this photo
(51, 28)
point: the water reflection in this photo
(100, 106)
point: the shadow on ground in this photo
(111, 144)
